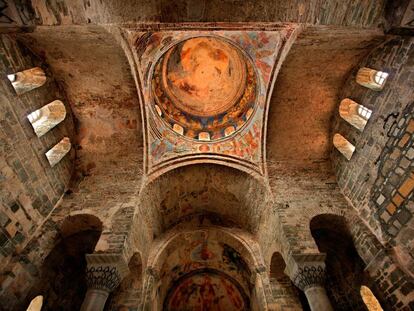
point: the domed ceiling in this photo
(204, 88)
(204, 93)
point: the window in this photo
(354, 113)
(58, 151)
(205, 136)
(370, 300)
(380, 77)
(371, 78)
(47, 117)
(364, 112)
(36, 304)
(27, 80)
(343, 146)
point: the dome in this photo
(204, 88)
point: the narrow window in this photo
(364, 112)
(58, 151)
(47, 117)
(27, 80)
(370, 300)
(372, 79)
(344, 146)
(36, 304)
(354, 113)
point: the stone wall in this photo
(378, 180)
(324, 12)
(29, 187)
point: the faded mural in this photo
(201, 273)
(181, 74)
(207, 290)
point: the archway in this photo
(345, 270)
(62, 275)
(209, 268)
(284, 292)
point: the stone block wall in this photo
(325, 12)
(378, 179)
(29, 187)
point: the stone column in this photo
(104, 273)
(307, 272)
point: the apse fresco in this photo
(206, 291)
(205, 93)
(201, 273)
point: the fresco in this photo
(204, 88)
(193, 105)
(208, 290)
(225, 278)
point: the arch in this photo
(277, 267)
(47, 117)
(36, 304)
(371, 78)
(78, 223)
(27, 80)
(345, 270)
(343, 146)
(231, 195)
(284, 292)
(355, 114)
(61, 278)
(183, 251)
(58, 151)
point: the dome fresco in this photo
(204, 88)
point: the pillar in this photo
(307, 272)
(104, 273)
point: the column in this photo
(307, 272)
(104, 273)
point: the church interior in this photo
(206, 155)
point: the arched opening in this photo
(369, 299)
(128, 295)
(47, 117)
(371, 78)
(354, 113)
(36, 304)
(345, 270)
(284, 291)
(62, 275)
(27, 80)
(343, 146)
(207, 193)
(58, 151)
(203, 269)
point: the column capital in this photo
(105, 271)
(306, 270)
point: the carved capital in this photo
(105, 271)
(307, 270)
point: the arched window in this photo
(369, 299)
(27, 80)
(344, 146)
(36, 304)
(47, 117)
(371, 78)
(205, 136)
(354, 113)
(58, 151)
